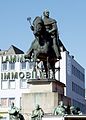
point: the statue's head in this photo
(61, 103)
(72, 109)
(46, 13)
(37, 106)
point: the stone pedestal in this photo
(67, 117)
(45, 85)
(46, 93)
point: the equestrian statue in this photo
(45, 46)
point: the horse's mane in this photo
(38, 20)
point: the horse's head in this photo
(38, 26)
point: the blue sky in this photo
(69, 14)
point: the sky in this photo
(69, 14)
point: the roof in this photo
(11, 50)
(14, 50)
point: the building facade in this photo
(15, 71)
(72, 74)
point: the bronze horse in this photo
(41, 47)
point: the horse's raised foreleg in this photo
(31, 49)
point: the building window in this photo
(4, 102)
(23, 65)
(12, 65)
(4, 118)
(12, 84)
(23, 83)
(10, 101)
(4, 66)
(4, 84)
(31, 64)
(77, 73)
(8, 84)
(77, 89)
